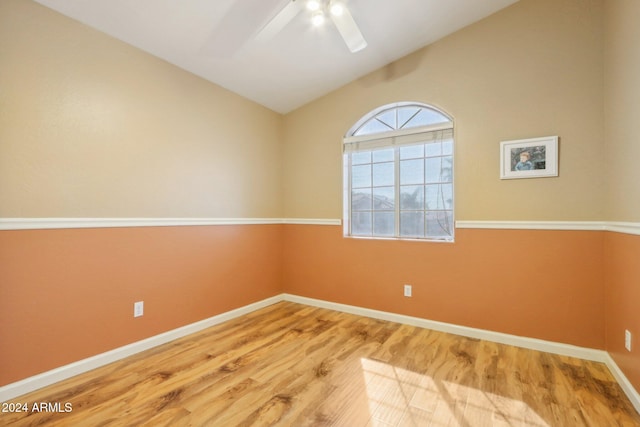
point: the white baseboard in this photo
(36, 382)
(498, 337)
(624, 382)
(53, 376)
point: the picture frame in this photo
(529, 158)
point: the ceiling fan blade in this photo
(236, 27)
(278, 22)
(349, 30)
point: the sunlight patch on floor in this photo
(399, 397)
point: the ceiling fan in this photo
(336, 9)
(241, 20)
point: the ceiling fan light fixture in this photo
(313, 5)
(317, 19)
(336, 8)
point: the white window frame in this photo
(394, 139)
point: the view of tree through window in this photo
(399, 174)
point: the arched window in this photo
(398, 174)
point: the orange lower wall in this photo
(622, 303)
(540, 284)
(68, 294)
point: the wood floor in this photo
(294, 365)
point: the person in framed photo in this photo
(525, 162)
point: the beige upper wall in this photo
(93, 127)
(622, 108)
(534, 69)
(90, 126)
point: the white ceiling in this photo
(214, 39)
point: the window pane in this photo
(362, 157)
(361, 176)
(383, 155)
(412, 152)
(447, 169)
(440, 224)
(447, 190)
(384, 198)
(433, 149)
(383, 174)
(447, 147)
(439, 196)
(361, 200)
(372, 126)
(432, 167)
(426, 117)
(388, 118)
(412, 171)
(361, 223)
(412, 197)
(384, 223)
(412, 224)
(433, 196)
(405, 114)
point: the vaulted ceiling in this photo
(216, 39)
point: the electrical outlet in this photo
(407, 290)
(138, 308)
(627, 340)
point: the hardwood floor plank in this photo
(295, 365)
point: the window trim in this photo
(397, 133)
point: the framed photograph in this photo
(529, 158)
